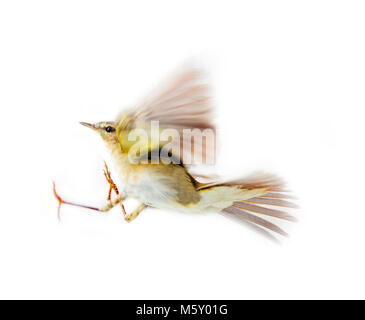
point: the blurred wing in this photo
(181, 102)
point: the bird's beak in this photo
(89, 125)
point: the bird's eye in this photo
(109, 129)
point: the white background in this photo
(288, 79)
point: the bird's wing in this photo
(181, 102)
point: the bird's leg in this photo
(105, 208)
(112, 187)
(132, 215)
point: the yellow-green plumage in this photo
(183, 104)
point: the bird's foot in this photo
(112, 186)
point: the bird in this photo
(157, 172)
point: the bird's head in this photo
(106, 130)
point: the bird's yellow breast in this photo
(158, 185)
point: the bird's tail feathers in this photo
(262, 195)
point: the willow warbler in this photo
(155, 165)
